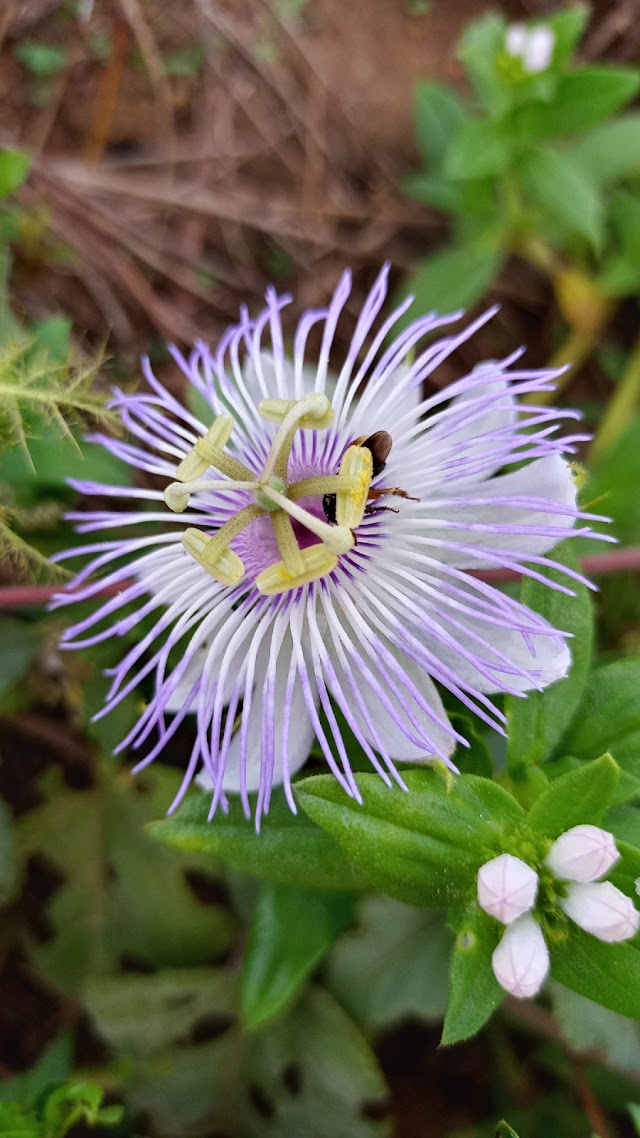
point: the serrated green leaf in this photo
(424, 847)
(474, 992)
(611, 151)
(537, 723)
(438, 112)
(609, 715)
(289, 848)
(558, 184)
(453, 278)
(606, 973)
(478, 149)
(579, 797)
(291, 930)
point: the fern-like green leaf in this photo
(32, 385)
(25, 557)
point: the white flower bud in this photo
(602, 910)
(533, 46)
(516, 39)
(507, 887)
(583, 853)
(521, 960)
(538, 50)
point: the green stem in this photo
(621, 407)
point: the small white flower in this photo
(516, 39)
(521, 960)
(583, 853)
(532, 46)
(602, 910)
(507, 887)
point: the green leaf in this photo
(626, 871)
(14, 167)
(52, 1067)
(478, 50)
(107, 903)
(436, 191)
(609, 715)
(503, 1130)
(289, 849)
(537, 723)
(474, 992)
(558, 183)
(567, 26)
(613, 484)
(309, 1073)
(581, 100)
(587, 1026)
(424, 847)
(454, 278)
(17, 1123)
(8, 859)
(392, 965)
(438, 113)
(479, 149)
(581, 796)
(606, 973)
(42, 59)
(290, 932)
(140, 1015)
(19, 642)
(634, 1111)
(611, 151)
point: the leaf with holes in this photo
(107, 901)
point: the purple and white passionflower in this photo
(316, 533)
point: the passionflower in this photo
(317, 530)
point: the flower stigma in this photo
(274, 497)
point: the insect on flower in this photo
(274, 593)
(379, 443)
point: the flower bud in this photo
(521, 960)
(507, 887)
(602, 910)
(583, 853)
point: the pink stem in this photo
(617, 561)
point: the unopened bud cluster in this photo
(508, 889)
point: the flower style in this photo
(316, 546)
(508, 888)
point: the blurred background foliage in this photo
(159, 167)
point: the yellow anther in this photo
(221, 563)
(275, 410)
(357, 464)
(204, 453)
(318, 561)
